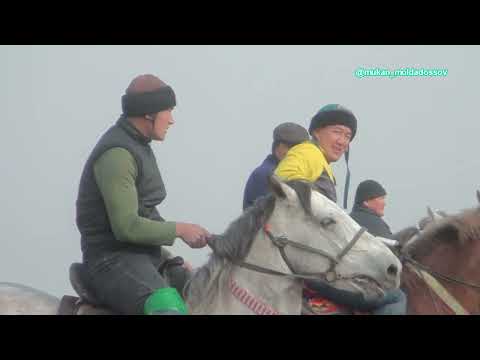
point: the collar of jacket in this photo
(132, 130)
(315, 142)
(272, 159)
(328, 167)
(361, 207)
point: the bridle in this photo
(281, 242)
(430, 276)
(436, 274)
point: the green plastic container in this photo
(165, 299)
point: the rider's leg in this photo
(177, 277)
(172, 269)
(125, 281)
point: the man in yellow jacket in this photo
(332, 129)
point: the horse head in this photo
(433, 217)
(291, 234)
(447, 250)
(349, 257)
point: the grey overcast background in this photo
(418, 136)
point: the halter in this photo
(433, 273)
(430, 276)
(281, 243)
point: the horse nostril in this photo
(392, 270)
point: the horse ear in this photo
(442, 213)
(430, 213)
(478, 196)
(279, 188)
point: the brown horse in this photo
(441, 264)
(441, 273)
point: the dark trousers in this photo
(123, 280)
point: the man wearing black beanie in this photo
(369, 207)
(332, 130)
(367, 212)
(122, 232)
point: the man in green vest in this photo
(122, 233)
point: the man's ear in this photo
(280, 189)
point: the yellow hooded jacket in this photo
(307, 162)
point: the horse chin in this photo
(369, 287)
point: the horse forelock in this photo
(304, 193)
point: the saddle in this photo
(87, 303)
(312, 304)
(321, 306)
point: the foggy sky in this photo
(416, 135)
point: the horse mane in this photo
(236, 241)
(427, 220)
(455, 230)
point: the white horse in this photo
(258, 265)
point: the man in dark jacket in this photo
(122, 232)
(285, 136)
(332, 130)
(369, 208)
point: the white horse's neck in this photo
(281, 294)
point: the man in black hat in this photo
(285, 136)
(332, 128)
(122, 233)
(369, 208)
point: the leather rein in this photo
(438, 275)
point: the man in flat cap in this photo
(285, 136)
(122, 232)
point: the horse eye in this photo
(327, 222)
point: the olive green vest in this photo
(91, 217)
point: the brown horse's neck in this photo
(421, 299)
(447, 260)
